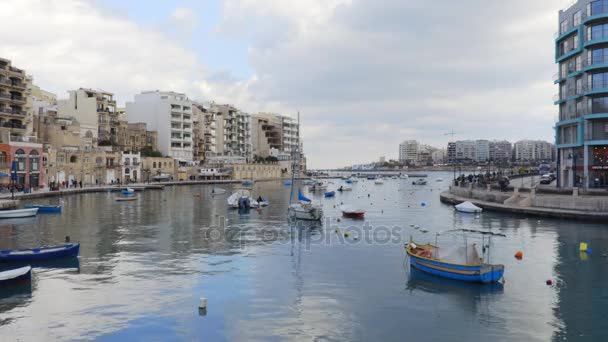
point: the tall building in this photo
(291, 134)
(500, 150)
(170, 115)
(466, 150)
(15, 110)
(482, 150)
(533, 150)
(582, 78)
(408, 152)
(451, 152)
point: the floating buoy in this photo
(338, 219)
(382, 211)
(423, 204)
(549, 282)
(202, 303)
(336, 230)
(345, 235)
(583, 247)
(519, 255)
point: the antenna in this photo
(452, 133)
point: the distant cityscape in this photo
(415, 154)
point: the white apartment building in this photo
(533, 150)
(408, 152)
(131, 166)
(170, 114)
(291, 133)
(482, 150)
(466, 150)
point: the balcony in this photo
(5, 96)
(599, 10)
(18, 99)
(7, 110)
(16, 72)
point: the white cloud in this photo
(184, 18)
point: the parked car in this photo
(546, 179)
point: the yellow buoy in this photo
(583, 247)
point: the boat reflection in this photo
(57, 263)
(428, 283)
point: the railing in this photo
(6, 96)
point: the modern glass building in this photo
(581, 51)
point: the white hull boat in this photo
(379, 181)
(468, 207)
(218, 191)
(18, 273)
(305, 211)
(126, 198)
(345, 188)
(18, 213)
(419, 182)
(439, 180)
(404, 176)
(242, 195)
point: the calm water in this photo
(144, 265)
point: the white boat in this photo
(320, 186)
(126, 198)
(310, 182)
(241, 197)
(468, 207)
(217, 191)
(379, 181)
(345, 187)
(23, 272)
(404, 176)
(439, 180)
(17, 213)
(259, 204)
(305, 211)
(394, 177)
(354, 179)
(419, 181)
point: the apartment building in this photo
(500, 150)
(533, 150)
(15, 110)
(170, 115)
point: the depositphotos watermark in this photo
(308, 233)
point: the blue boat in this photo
(43, 253)
(424, 257)
(44, 208)
(247, 183)
(127, 192)
(287, 183)
(330, 194)
(349, 181)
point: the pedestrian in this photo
(81, 183)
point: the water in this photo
(144, 265)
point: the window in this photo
(20, 157)
(579, 63)
(579, 86)
(575, 42)
(599, 56)
(154, 165)
(599, 105)
(34, 161)
(577, 18)
(73, 159)
(127, 161)
(599, 80)
(579, 108)
(3, 157)
(564, 70)
(597, 7)
(563, 27)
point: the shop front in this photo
(598, 168)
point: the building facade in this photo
(582, 78)
(15, 110)
(500, 151)
(408, 152)
(533, 150)
(170, 115)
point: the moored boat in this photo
(127, 198)
(468, 207)
(128, 191)
(44, 208)
(18, 213)
(17, 274)
(459, 264)
(404, 176)
(42, 253)
(348, 211)
(217, 191)
(345, 188)
(379, 181)
(305, 209)
(329, 194)
(419, 181)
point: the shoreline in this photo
(448, 198)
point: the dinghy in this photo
(217, 191)
(23, 273)
(348, 211)
(468, 207)
(18, 213)
(126, 198)
(44, 208)
(43, 253)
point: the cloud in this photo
(422, 68)
(184, 18)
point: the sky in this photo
(364, 75)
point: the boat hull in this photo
(45, 208)
(19, 274)
(123, 199)
(18, 213)
(483, 273)
(306, 214)
(40, 253)
(354, 215)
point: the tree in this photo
(148, 151)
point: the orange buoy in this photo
(519, 255)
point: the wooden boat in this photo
(127, 198)
(348, 211)
(329, 194)
(468, 207)
(18, 213)
(427, 258)
(43, 253)
(23, 273)
(45, 208)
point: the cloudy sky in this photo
(364, 74)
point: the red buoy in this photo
(549, 282)
(519, 255)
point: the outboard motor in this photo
(244, 203)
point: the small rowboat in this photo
(468, 207)
(330, 194)
(469, 267)
(43, 208)
(23, 273)
(128, 198)
(348, 211)
(18, 213)
(43, 253)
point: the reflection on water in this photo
(143, 266)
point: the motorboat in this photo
(394, 177)
(439, 180)
(320, 186)
(349, 211)
(217, 191)
(260, 202)
(247, 183)
(241, 199)
(468, 207)
(371, 177)
(462, 264)
(419, 181)
(404, 176)
(345, 188)
(310, 182)
(305, 209)
(379, 181)
(18, 213)
(42, 253)
(287, 183)
(128, 191)
(329, 194)
(127, 198)
(17, 274)
(45, 208)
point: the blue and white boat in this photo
(18, 274)
(329, 194)
(42, 253)
(467, 266)
(128, 192)
(45, 208)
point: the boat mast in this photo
(295, 161)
